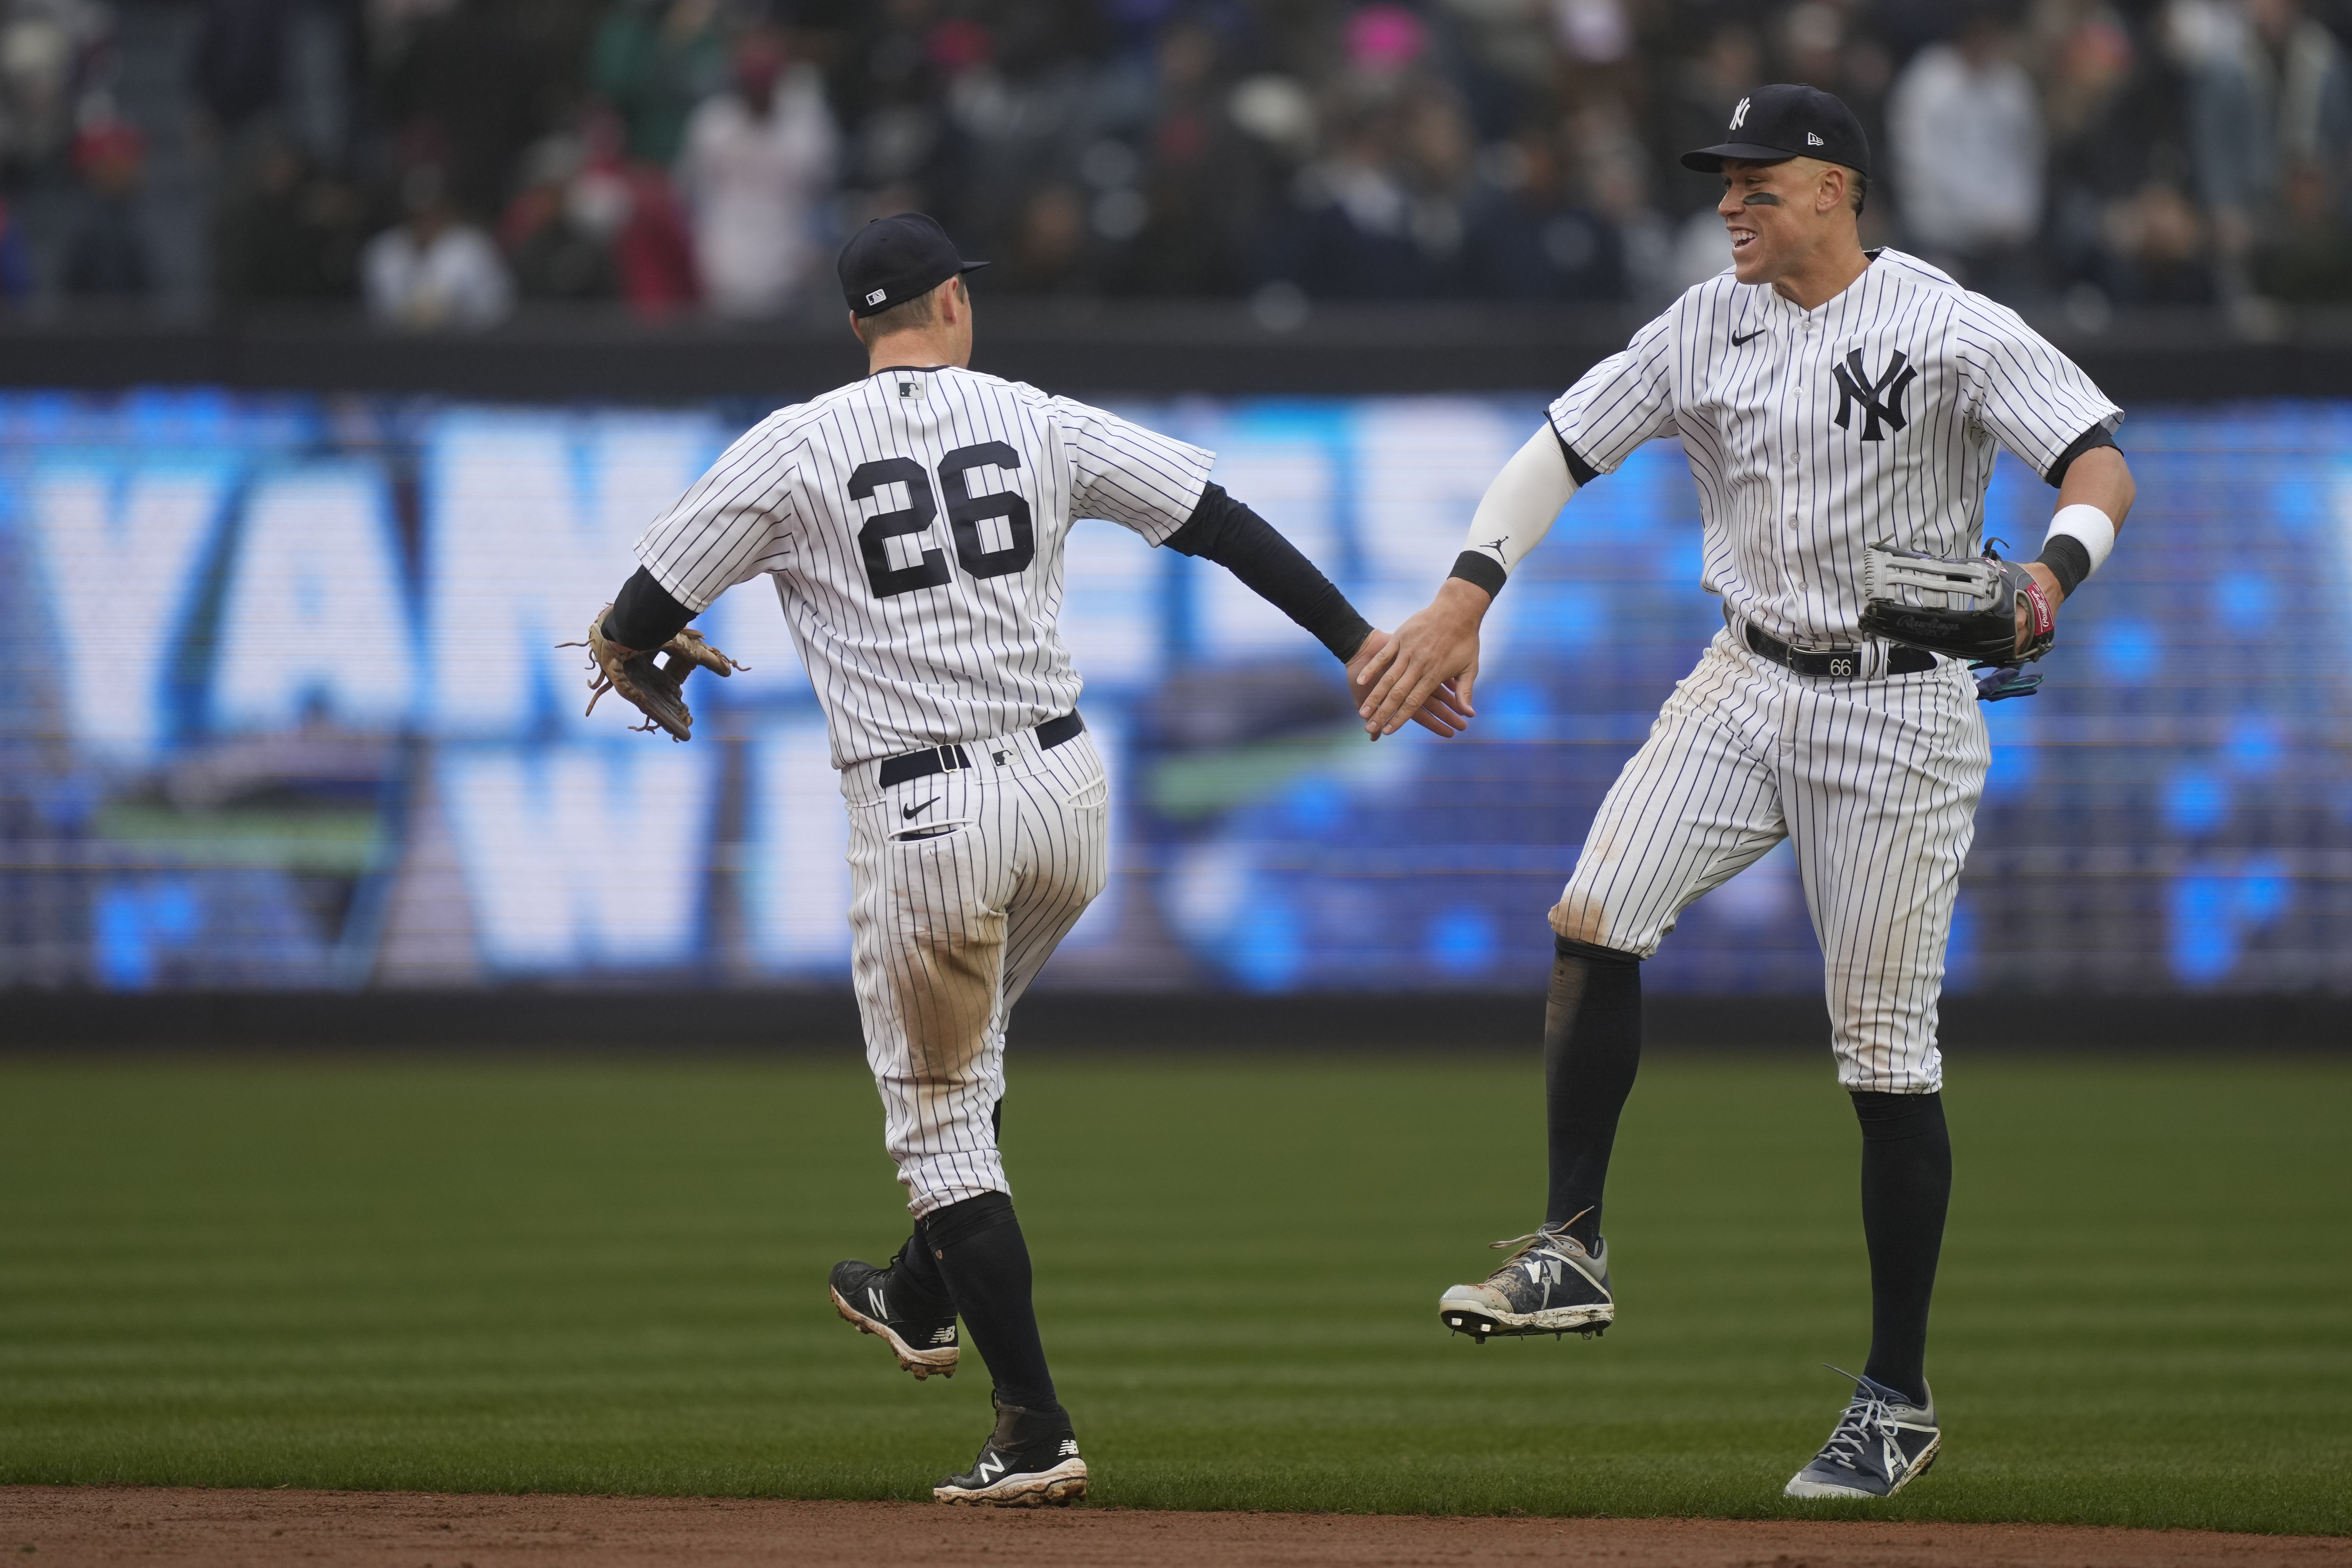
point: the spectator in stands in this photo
(434, 271)
(106, 252)
(239, 68)
(15, 260)
(2309, 260)
(630, 204)
(464, 93)
(653, 60)
(560, 248)
(1966, 130)
(2157, 250)
(1195, 197)
(1528, 236)
(1378, 218)
(2271, 97)
(286, 231)
(46, 47)
(757, 171)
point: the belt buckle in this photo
(948, 763)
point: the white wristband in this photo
(2088, 523)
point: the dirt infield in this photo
(411, 1530)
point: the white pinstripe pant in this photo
(1876, 780)
(947, 929)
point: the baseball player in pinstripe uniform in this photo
(914, 524)
(1839, 408)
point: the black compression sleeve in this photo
(643, 615)
(1223, 530)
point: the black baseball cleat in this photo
(920, 1330)
(1031, 1459)
(1550, 1286)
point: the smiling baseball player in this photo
(1839, 409)
(914, 523)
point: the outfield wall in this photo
(284, 715)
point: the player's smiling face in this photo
(1766, 208)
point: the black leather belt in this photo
(1839, 664)
(949, 759)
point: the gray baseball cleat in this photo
(1550, 1286)
(1882, 1443)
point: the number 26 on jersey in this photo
(966, 512)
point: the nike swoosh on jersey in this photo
(912, 812)
(1737, 340)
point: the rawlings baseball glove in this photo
(1965, 608)
(655, 690)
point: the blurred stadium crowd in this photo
(443, 159)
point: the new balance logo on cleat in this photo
(1882, 1443)
(921, 1333)
(1030, 1460)
(1550, 1286)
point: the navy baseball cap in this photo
(894, 259)
(1775, 123)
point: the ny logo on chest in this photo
(1880, 400)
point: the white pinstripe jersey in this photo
(1870, 418)
(914, 523)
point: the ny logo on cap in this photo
(876, 297)
(1880, 400)
(1739, 115)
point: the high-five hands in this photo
(1426, 669)
(1439, 711)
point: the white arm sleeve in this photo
(1519, 508)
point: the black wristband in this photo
(2069, 560)
(643, 615)
(1480, 570)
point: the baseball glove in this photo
(656, 690)
(1965, 608)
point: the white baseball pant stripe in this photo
(963, 884)
(1876, 781)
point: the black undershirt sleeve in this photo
(1223, 530)
(2090, 440)
(643, 615)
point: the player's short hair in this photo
(906, 316)
(1857, 187)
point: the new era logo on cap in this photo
(876, 297)
(1813, 140)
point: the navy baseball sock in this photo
(1906, 1184)
(985, 1259)
(1592, 1046)
(916, 1269)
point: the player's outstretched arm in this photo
(1223, 530)
(1436, 650)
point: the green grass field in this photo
(601, 1277)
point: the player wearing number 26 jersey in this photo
(913, 524)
